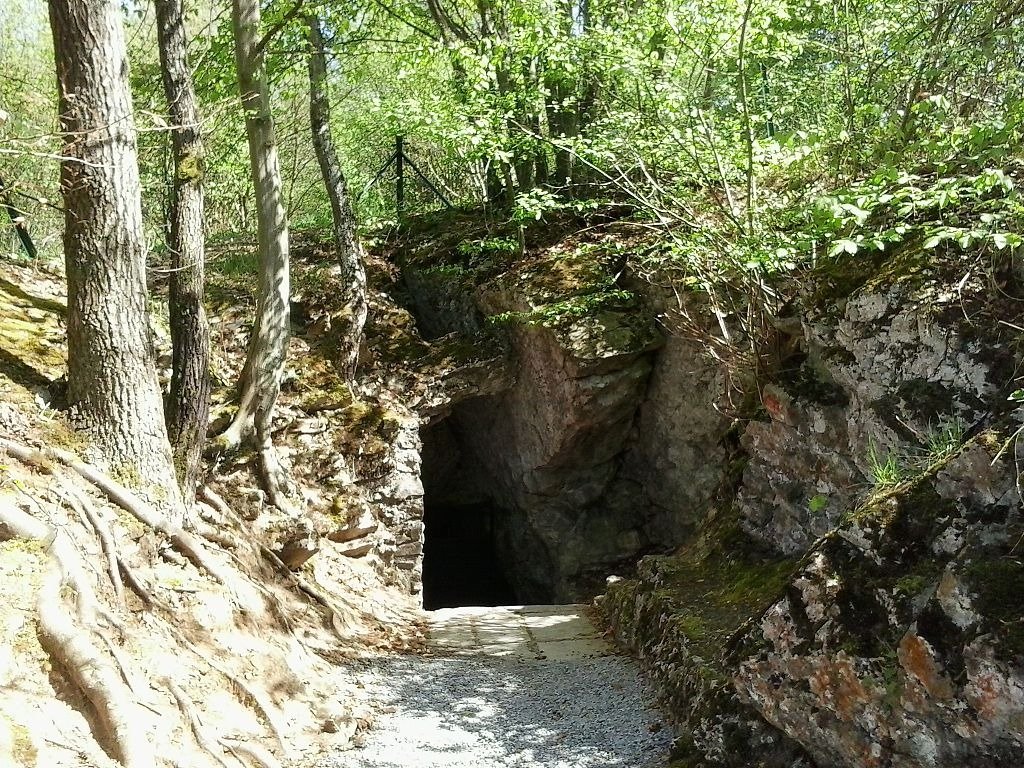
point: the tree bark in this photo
(260, 382)
(187, 408)
(112, 383)
(346, 238)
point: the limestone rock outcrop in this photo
(839, 556)
(882, 477)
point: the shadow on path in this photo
(485, 712)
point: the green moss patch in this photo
(681, 614)
(709, 598)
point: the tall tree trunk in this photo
(112, 382)
(346, 238)
(540, 154)
(188, 406)
(522, 155)
(562, 126)
(260, 383)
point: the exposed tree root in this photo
(230, 440)
(249, 424)
(72, 647)
(275, 479)
(101, 528)
(188, 711)
(260, 553)
(83, 641)
(211, 497)
(254, 752)
(247, 695)
(184, 542)
(334, 615)
(272, 475)
(137, 586)
(223, 538)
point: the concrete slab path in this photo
(556, 632)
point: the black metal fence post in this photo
(399, 158)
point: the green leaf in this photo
(817, 503)
(841, 246)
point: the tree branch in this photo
(277, 26)
(396, 15)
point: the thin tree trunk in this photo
(523, 156)
(260, 383)
(188, 406)
(346, 238)
(540, 154)
(583, 173)
(112, 383)
(18, 220)
(562, 127)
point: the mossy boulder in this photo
(898, 642)
(680, 615)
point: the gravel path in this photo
(531, 687)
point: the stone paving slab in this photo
(556, 632)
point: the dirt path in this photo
(522, 687)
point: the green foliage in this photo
(938, 443)
(962, 195)
(488, 247)
(27, 142)
(535, 203)
(944, 440)
(756, 138)
(558, 312)
(817, 503)
(885, 470)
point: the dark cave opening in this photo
(460, 561)
(462, 565)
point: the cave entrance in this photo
(462, 565)
(460, 560)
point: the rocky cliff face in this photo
(569, 449)
(885, 467)
(840, 563)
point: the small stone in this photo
(411, 550)
(355, 549)
(297, 543)
(363, 525)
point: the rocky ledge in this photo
(854, 600)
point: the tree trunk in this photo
(583, 175)
(112, 383)
(18, 220)
(260, 382)
(562, 127)
(346, 238)
(188, 406)
(540, 157)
